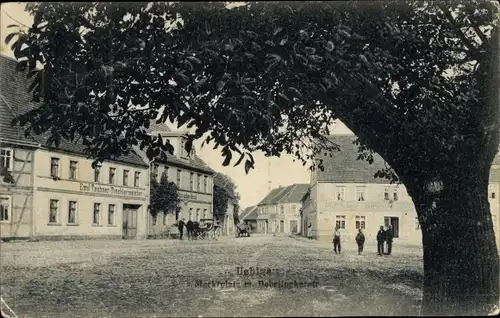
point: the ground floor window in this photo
(72, 212)
(111, 214)
(340, 221)
(97, 213)
(155, 219)
(53, 211)
(360, 222)
(164, 218)
(5, 208)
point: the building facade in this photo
(193, 178)
(346, 194)
(279, 211)
(54, 193)
(72, 199)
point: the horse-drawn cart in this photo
(206, 229)
(242, 229)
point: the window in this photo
(190, 214)
(155, 219)
(205, 214)
(205, 184)
(165, 172)
(340, 194)
(191, 177)
(199, 182)
(137, 178)
(97, 173)
(340, 221)
(4, 208)
(417, 224)
(179, 178)
(71, 212)
(282, 209)
(294, 209)
(112, 172)
(111, 214)
(183, 148)
(360, 194)
(154, 172)
(54, 167)
(6, 158)
(395, 195)
(164, 218)
(72, 169)
(97, 213)
(198, 216)
(53, 211)
(360, 222)
(492, 195)
(386, 194)
(125, 178)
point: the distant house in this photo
(279, 211)
(228, 226)
(194, 180)
(249, 216)
(346, 194)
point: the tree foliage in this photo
(220, 199)
(416, 81)
(164, 196)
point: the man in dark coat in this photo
(360, 240)
(389, 235)
(336, 240)
(180, 226)
(190, 228)
(380, 240)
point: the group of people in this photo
(383, 237)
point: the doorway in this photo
(293, 226)
(129, 228)
(282, 226)
(394, 222)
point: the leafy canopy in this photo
(164, 196)
(267, 76)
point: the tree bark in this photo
(461, 263)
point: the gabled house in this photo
(279, 211)
(192, 176)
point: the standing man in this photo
(180, 226)
(190, 228)
(309, 231)
(389, 235)
(336, 240)
(380, 240)
(360, 240)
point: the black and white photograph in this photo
(250, 159)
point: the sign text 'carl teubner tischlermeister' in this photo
(109, 190)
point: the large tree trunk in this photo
(461, 263)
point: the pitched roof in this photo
(343, 167)
(289, 194)
(249, 213)
(15, 100)
(246, 212)
(194, 161)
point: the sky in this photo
(254, 186)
